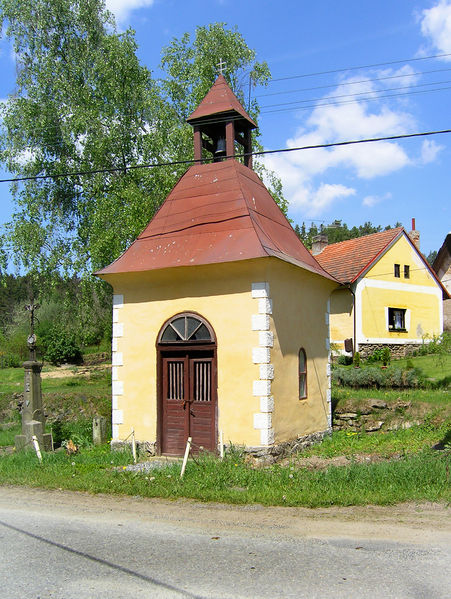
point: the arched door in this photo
(187, 405)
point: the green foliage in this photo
(344, 360)
(386, 356)
(337, 231)
(356, 359)
(437, 344)
(61, 347)
(376, 356)
(83, 102)
(80, 432)
(375, 377)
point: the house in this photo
(389, 295)
(220, 313)
(442, 268)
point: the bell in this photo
(220, 147)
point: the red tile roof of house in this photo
(219, 99)
(346, 260)
(218, 212)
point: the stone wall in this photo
(374, 415)
(397, 350)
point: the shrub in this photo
(386, 355)
(375, 377)
(344, 360)
(356, 359)
(61, 347)
(376, 356)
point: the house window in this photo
(406, 271)
(396, 319)
(302, 374)
(397, 272)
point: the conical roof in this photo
(218, 212)
(220, 99)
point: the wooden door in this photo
(188, 402)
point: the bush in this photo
(356, 359)
(62, 347)
(344, 360)
(375, 377)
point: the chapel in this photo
(220, 314)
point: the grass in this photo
(421, 477)
(386, 444)
(434, 366)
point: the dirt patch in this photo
(67, 371)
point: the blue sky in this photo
(381, 182)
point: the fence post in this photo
(133, 446)
(36, 447)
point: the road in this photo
(63, 545)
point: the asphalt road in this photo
(63, 545)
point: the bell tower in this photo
(220, 122)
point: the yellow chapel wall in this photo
(262, 312)
(300, 303)
(419, 295)
(222, 294)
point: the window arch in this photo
(302, 363)
(186, 328)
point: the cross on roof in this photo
(222, 66)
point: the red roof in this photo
(219, 99)
(218, 212)
(346, 260)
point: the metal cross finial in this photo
(222, 66)
(31, 341)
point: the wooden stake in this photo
(185, 457)
(36, 447)
(221, 445)
(133, 446)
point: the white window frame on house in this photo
(397, 320)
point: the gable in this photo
(403, 253)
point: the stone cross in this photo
(33, 419)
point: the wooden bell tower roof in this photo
(220, 211)
(220, 99)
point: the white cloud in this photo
(372, 200)
(429, 151)
(122, 8)
(310, 177)
(436, 26)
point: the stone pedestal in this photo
(33, 419)
(99, 436)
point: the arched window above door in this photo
(186, 328)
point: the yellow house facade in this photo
(220, 315)
(390, 295)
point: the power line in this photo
(367, 66)
(369, 99)
(344, 83)
(259, 153)
(373, 93)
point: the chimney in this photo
(415, 236)
(319, 242)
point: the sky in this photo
(340, 71)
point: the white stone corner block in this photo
(262, 421)
(327, 343)
(266, 339)
(118, 359)
(114, 373)
(260, 322)
(327, 318)
(264, 306)
(260, 289)
(115, 315)
(114, 344)
(261, 355)
(118, 417)
(118, 300)
(267, 371)
(260, 388)
(267, 404)
(115, 432)
(267, 436)
(118, 387)
(114, 403)
(118, 329)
